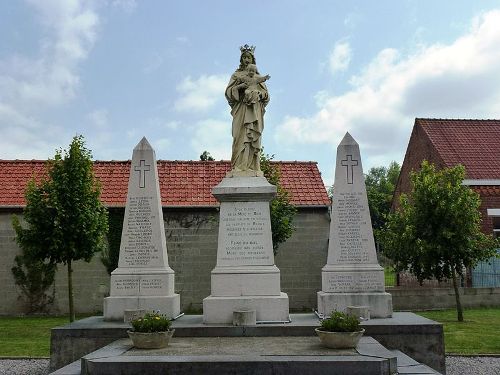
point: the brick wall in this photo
(192, 251)
(419, 148)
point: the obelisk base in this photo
(115, 306)
(219, 310)
(149, 289)
(380, 303)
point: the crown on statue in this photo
(247, 48)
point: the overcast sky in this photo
(116, 71)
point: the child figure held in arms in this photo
(252, 80)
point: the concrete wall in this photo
(301, 258)
(192, 250)
(90, 280)
(442, 298)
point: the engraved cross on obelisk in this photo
(142, 168)
(349, 163)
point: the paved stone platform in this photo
(246, 355)
(420, 338)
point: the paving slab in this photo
(242, 355)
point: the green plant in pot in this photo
(340, 331)
(152, 331)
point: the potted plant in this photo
(152, 331)
(340, 331)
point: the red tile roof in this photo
(182, 183)
(487, 190)
(472, 143)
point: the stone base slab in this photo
(369, 279)
(380, 303)
(115, 306)
(141, 284)
(218, 310)
(242, 355)
(245, 281)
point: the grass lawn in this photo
(389, 276)
(478, 334)
(27, 336)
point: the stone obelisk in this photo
(143, 279)
(352, 275)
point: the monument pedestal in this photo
(148, 289)
(380, 303)
(245, 277)
(354, 285)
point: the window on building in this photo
(494, 213)
(496, 226)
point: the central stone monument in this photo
(143, 279)
(245, 277)
(352, 275)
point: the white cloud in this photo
(459, 80)
(340, 57)
(352, 20)
(22, 141)
(128, 6)
(182, 39)
(213, 136)
(30, 85)
(161, 145)
(200, 94)
(99, 118)
(172, 125)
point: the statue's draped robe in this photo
(248, 124)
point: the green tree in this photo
(65, 219)
(282, 212)
(436, 233)
(111, 253)
(34, 277)
(205, 156)
(380, 185)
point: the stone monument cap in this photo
(348, 140)
(143, 145)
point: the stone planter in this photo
(151, 340)
(339, 340)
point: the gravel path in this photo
(454, 366)
(472, 365)
(24, 366)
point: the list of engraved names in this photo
(139, 248)
(352, 214)
(354, 282)
(149, 285)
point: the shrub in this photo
(340, 322)
(151, 322)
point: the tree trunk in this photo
(70, 293)
(460, 313)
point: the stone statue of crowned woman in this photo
(247, 95)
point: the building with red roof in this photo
(473, 143)
(191, 224)
(182, 183)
